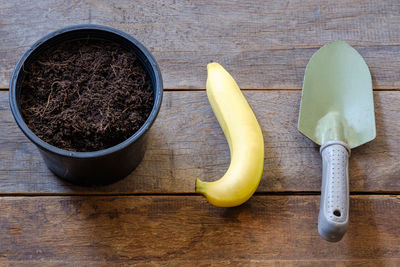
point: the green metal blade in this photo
(337, 101)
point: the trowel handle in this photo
(334, 207)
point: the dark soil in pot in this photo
(86, 95)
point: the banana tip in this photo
(199, 186)
(212, 64)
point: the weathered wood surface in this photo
(186, 143)
(239, 262)
(185, 230)
(265, 44)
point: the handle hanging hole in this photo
(337, 213)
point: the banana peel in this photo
(244, 137)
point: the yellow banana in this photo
(244, 137)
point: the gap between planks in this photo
(284, 193)
(244, 89)
(263, 89)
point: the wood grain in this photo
(204, 262)
(264, 44)
(186, 143)
(186, 230)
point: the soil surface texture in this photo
(86, 95)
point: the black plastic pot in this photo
(98, 167)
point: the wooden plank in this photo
(186, 143)
(239, 262)
(185, 230)
(265, 44)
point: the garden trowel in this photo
(337, 113)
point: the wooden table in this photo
(153, 216)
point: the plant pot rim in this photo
(158, 86)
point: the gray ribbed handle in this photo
(334, 208)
